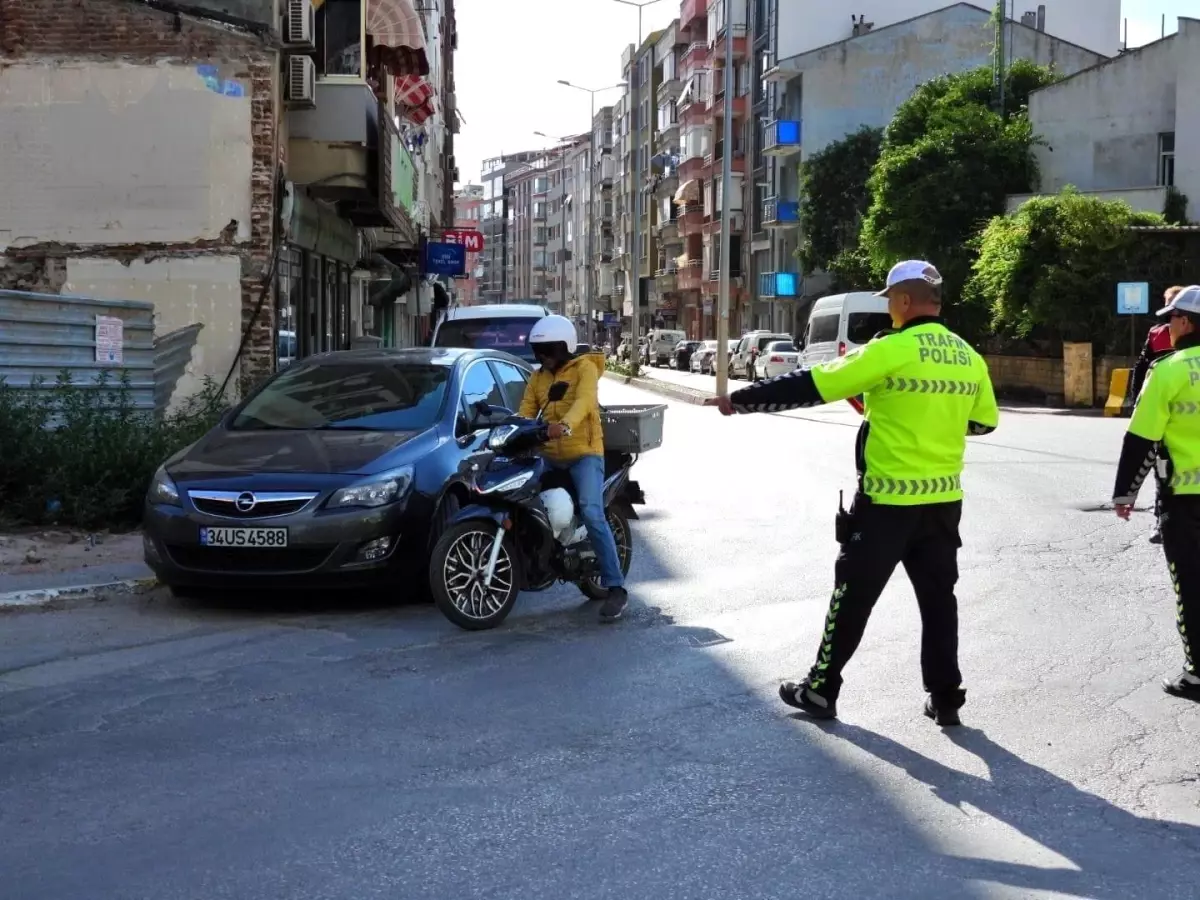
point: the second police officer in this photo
(925, 390)
(1164, 437)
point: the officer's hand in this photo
(1123, 510)
(724, 404)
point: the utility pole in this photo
(726, 215)
(562, 228)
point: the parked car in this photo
(661, 343)
(702, 358)
(683, 354)
(778, 358)
(341, 469)
(494, 326)
(840, 323)
(751, 344)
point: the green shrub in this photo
(612, 364)
(83, 455)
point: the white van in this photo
(493, 326)
(662, 345)
(840, 323)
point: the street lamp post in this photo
(591, 157)
(635, 237)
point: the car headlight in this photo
(162, 489)
(500, 435)
(378, 491)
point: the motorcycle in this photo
(523, 530)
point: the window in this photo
(479, 385)
(861, 327)
(405, 397)
(823, 329)
(509, 335)
(512, 381)
(1166, 159)
(339, 38)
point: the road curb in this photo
(42, 597)
(665, 389)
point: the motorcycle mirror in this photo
(482, 410)
(558, 390)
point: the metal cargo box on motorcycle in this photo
(632, 428)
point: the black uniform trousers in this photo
(925, 540)
(1181, 537)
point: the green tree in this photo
(834, 199)
(948, 162)
(1053, 266)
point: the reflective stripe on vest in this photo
(912, 487)
(930, 386)
(1186, 477)
(1184, 408)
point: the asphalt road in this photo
(344, 748)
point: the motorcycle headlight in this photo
(378, 491)
(162, 489)
(510, 484)
(500, 435)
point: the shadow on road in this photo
(1118, 855)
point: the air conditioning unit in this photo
(301, 88)
(300, 26)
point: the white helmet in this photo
(554, 330)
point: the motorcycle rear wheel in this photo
(618, 522)
(456, 574)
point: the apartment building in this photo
(529, 262)
(494, 223)
(664, 176)
(467, 202)
(566, 168)
(602, 216)
(823, 74)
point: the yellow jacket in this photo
(579, 409)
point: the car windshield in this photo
(861, 327)
(782, 347)
(509, 335)
(357, 396)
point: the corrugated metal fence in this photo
(42, 335)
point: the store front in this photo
(316, 294)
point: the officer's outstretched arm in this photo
(1140, 449)
(849, 376)
(985, 414)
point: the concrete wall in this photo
(1102, 127)
(1041, 378)
(97, 165)
(806, 25)
(140, 163)
(862, 82)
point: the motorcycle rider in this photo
(577, 440)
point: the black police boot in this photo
(801, 696)
(1185, 684)
(943, 708)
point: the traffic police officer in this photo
(1164, 436)
(925, 389)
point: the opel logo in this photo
(245, 502)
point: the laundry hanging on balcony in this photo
(414, 98)
(398, 34)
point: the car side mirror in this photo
(558, 390)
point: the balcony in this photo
(695, 57)
(781, 285)
(741, 45)
(668, 231)
(740, 106)
(665, 279)
(670, 86)
(692, 12)
(691, 218)
(778, 213)
(781, 138)
(688, 276)
(346, 150)
(538, 215)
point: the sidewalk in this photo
(38, 567)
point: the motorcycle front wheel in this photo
(618, 523)
(458, 571)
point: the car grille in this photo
(262, 561)
(265, 506)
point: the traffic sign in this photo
(1133, 298)
(472, 241)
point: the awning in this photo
(688, 192)
(396, 25)
(688, 87)
(414, 98)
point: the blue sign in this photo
(785, 284)
(1133, 298)
(787, 132)
(445, 259)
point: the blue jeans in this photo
(588, 474)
